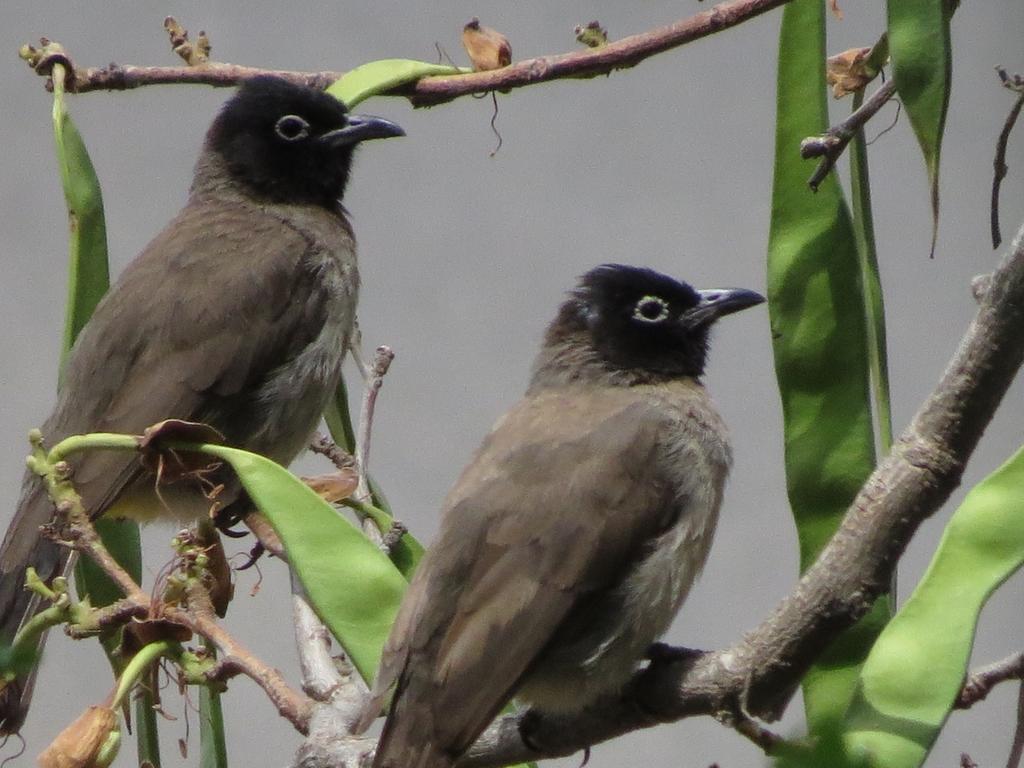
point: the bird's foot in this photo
(663, 653)
(254, 555)
(529, 725)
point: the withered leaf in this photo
(218, 569)
(487, 48)
(78, 745)
(141, 633)
(848, 72)
(335, 486)
(171, 464)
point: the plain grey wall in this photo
(465, 257)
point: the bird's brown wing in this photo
(557, 501)
(212, 306)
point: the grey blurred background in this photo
(464, 258)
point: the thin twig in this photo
(750, 729)
(1018, 733)
(82, 537)
(116, 614)
(199, 618)
(831, 145)
(1014, 83)
(334, 453)
(326, 679)
(382, 359)
(237, 659)
(980, 682)
(591, 62)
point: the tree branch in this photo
(74, 524)
(831, 145)
(620, 54)
(981, 682)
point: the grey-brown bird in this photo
(237, 314)
(572, 538)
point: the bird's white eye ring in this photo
(651, 309)
(291, 128)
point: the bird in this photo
(571, 539)
(237, 314)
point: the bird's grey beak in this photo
(718, 302)
(362, 128)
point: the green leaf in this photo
(88, 273)
(377, 78)
(213, 748)
(407, 552)
(147, 733)
(922, 66)
(88, 281)
(121, 537)
(353, 587)
(819, 341)
(339, 420)
(917, 667)
(17, 659)
(874, 306)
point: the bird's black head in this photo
(290, 143)
(643, 320)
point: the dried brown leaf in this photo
(170, 464)
(487, 48)
(218, 569)
(847, 71)
(335, 486)
(79, 745)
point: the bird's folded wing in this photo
(557, 502)
(218, 300)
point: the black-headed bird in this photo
(572, 538)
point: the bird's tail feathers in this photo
(406, 741)
(24, 547)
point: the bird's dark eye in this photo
(651, 309)
(291, 128)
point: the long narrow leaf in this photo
(88, 281)
(922, 67)
(213, 748)
(88, 273)
(916, 669)
(874, 305)
(819, 340)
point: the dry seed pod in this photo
(89, 742)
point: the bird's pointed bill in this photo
(362, 128)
